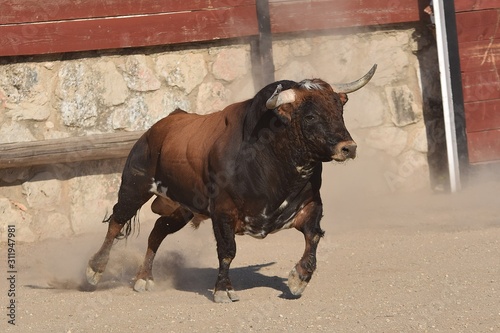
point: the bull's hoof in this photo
(295, 283)
(144, 285)
(93, 277)
(225, 296)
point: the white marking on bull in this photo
(309, 85)
(283, 205)
(305, 172)
(157, 189)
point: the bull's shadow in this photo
(201, 280)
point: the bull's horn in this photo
(355, 85)
(280, 97)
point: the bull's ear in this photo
(343, 98)
(280, 103)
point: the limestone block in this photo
(364, 109)
(132, 116)
(114, 87)
(138, 75)
(174, 99)
(14, 216)
(410, 174)
(42, 191)
(402, 104)
(281, 54)
(296, 70)
(3, 101)
(420, 140)
(231, 64)
(78, 93)
(185, 71)
(391, 140)
(38, 109)
(15, 132)
(300, 47)
(56, 225)
(212, 96)
(89, 203)
(392, 58)
(18, 80)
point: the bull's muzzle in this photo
(345, 150)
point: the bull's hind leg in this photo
(164, 226)
(134, 192)
(97, 264)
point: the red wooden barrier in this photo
(34, 27)
(478, 28)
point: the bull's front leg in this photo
(223, 225)
(307, 221)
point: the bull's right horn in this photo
(355, 85)
(280, 97)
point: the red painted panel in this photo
(484, 146)
(479, 25)
(481, 86)
(69, 36)
(480, 56)
(318, 15)
(468, 5)
(23, 11)
(483, 115)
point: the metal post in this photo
(447, 94)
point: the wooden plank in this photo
(25, 11)
(468, 5)
(123, 32)
(481, 86)
(484, 146)
(318, 15)
(75, 149)
(482, 115)
(478, 25)
(480, 56)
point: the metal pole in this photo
(447, 95)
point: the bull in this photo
(253, 168)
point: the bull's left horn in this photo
(355, 85)
(280, 97)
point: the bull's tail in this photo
(135, 187)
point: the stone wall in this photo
(50, 97)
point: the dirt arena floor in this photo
(417, 262)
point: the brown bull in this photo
(253, 168)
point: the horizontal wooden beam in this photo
(66, 150)
(482, 115)
(292, 16)
(481, 86)
(484, 146)
(26, 11)
(470, 5)
(127, 31)
(478, 25)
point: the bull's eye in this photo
(309, 117)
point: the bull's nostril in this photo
(349, 150)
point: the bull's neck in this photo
(285, 148)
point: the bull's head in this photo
(315, 110)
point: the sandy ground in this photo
(417, 262)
